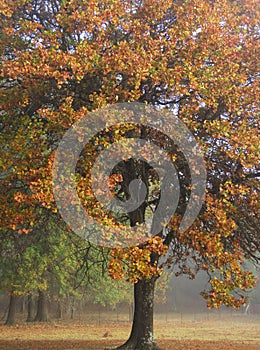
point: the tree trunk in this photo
(42, 309)
(22, 305)
(72, 309)
(59, 310)
(11, 310)
(141, 337)
(30, 308)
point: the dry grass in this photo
(242, 334)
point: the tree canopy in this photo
(61, 60)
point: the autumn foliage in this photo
(61, 60)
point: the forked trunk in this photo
(142, 337)
(42, 309)
(11, 311)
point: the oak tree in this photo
(61, 60)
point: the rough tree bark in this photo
(141, 337)
(11, 311)
(42, 308)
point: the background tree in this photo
(21, 268)
(61, 59)
(42, 262)
(55, 265)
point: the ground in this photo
(233, 333)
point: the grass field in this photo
(229, 333)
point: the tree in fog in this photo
(197, 59)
